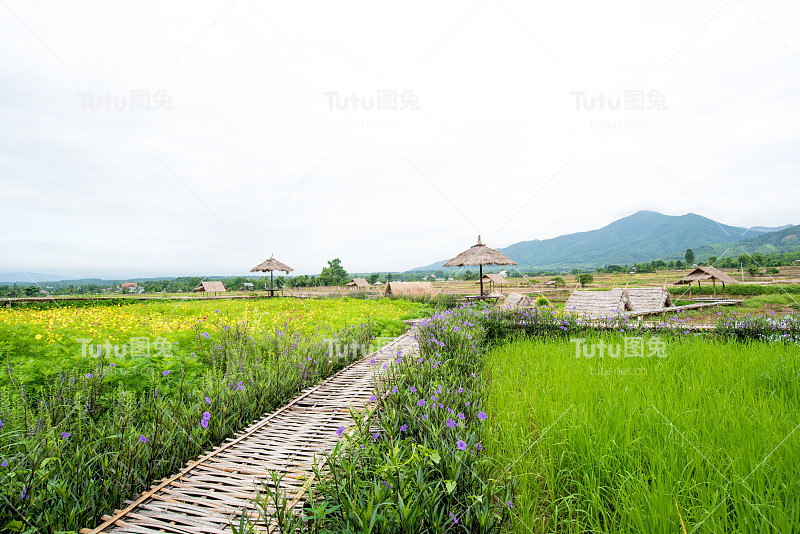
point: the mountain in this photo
(787, 239)
(643, 236)
(25, 278)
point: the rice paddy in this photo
(699, 439)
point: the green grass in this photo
(643, 444)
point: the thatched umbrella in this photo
(480, 255)
(271, 265)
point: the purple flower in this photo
(478, 447)
(1, 423)
(421, 402)
(206, 416)
(403, 428)
(112, 364)
(434, 398)
(394, 389)
(482, 416)
(205, 334)
(340, 431)
(165, 373)
(142, 439)
(208, 400)
(450, 423)
(88, 375)
(467, 403)
(204, 423)
(461, 445)
(461, 416)
(4, 464)
(65, 435)
(420, 360)
(412, 389)
(461, 390)
(24, 494)
(424, 416)
(373, 398)
(240, 386)
(510, 504)
(454, 518)
(375, 436)
(372, 361)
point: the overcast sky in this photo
(169, 138)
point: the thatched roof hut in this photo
(413, 289)
(492, 280)
(358, 283)
(706, 272)
(271, 265)
(599, 303)
(515, 300)
(480, 255)
(212, 286)
(649, 298)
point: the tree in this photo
(334, 274)
(753, 270)
(388, 278)
(689, 256)
(712, 260)
(585, 278)
(559, 281)
(373, 278)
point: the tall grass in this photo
(702, 439)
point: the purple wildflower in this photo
(208, 400)
(461, 416)
(340, 431)
(372, 361)
(403, 428)
(4, 464)
(461, 445)
(165, 373)
(65, 435)
(373, 398)
(375, 436)
(454, 518)
(240, 386)
(424, 416)
(88, 375)
(412, 389)
(450, 423)
(142, 439)
(421, 402)
(482, 416)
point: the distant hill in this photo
(784, 240)
(25, 278)
(643, 236)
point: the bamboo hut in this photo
(599, 303)
(358, 283)
(213, 286)
(706, 272)
(480, 255)
(412, 289)
(271, 265)
(649, 298)
(493, 280)
(515, 300)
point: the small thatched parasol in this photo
(480, 255)
(271, 265)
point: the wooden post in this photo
(480, 268)
(714, 281)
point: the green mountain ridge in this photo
(640, 237)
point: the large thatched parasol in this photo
(480, 255)
(271, 265)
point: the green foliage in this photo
(585, 278)
(627, 444)
(559, 281)
(689, 256)
(334, 274)
(542, 301)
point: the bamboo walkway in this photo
(217, 489)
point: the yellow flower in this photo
(38, 336)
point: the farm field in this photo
(701, 437)
(41, 340)
(79, 434)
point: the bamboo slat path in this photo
(215, 490)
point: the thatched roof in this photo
(213, 286)
(649, 298)
(496, 278)
(480, 254)
(706, 272)
(358, 282)
(515, 300)
(415, 289)
(271, 265)
(599, 303)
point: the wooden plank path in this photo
(215, 490)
